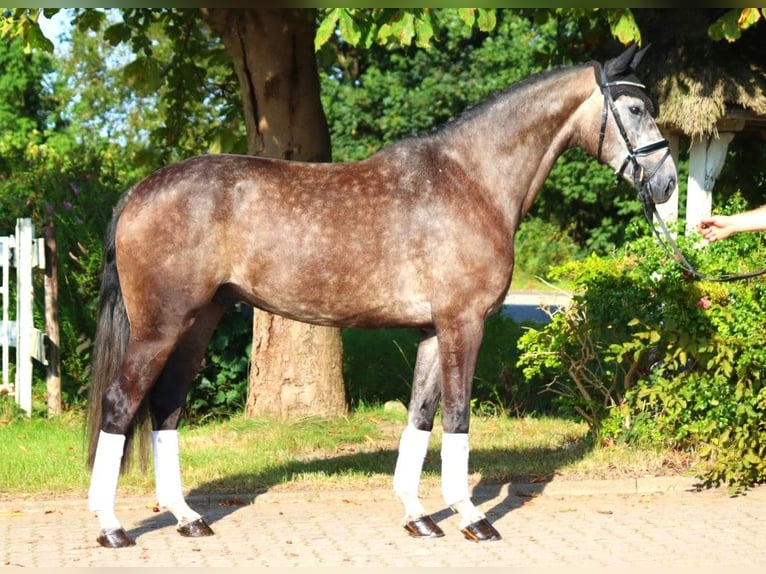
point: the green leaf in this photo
(404, 28)
(143, 74)
(751, 458)
(487, 19)
(726, 27)
(349, 29)
(117, 33)
(623, 26)
(748, 17)
(90, 19)
(326, 28)
(36, 39)
(424, 30)
(401, 26)
(467, 15)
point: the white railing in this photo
(23, 252)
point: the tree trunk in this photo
(296, 368)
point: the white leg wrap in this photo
(103, 479)
(468, 512)
(167, 467)
(454, 467)
(455, 477)
(167, 476)
(413, 447)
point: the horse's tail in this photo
(112, 334)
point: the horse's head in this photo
(629, 140)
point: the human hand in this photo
(716, 227)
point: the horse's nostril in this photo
(671, 187)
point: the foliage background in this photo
(136, 89)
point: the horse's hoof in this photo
(481, 531)
(423, 527)
(115, 538)
(195, 529)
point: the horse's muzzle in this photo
(659, 184)
(656, 191)
(662, 193)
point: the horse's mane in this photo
(509, 92)
(477, 109)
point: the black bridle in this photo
(641, 179)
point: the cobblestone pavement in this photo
(629, 523)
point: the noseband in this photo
(640, 177)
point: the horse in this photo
(419, 235)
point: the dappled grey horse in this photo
(418, 235)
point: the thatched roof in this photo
(703, 86)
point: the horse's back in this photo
(297, 238)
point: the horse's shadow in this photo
(215, 499)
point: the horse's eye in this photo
(635, 110)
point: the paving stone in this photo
(636, 523)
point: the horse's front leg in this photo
(459, 342)
(413, 446)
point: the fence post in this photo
(5, 336)
(25, 232)
(53, 374)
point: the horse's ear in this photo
(625, 63)
(638, 56)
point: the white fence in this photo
(23, 252)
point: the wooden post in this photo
(53, 372)
(6, 244)
(706, 159)
(668, 211)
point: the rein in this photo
(640, 180)
(650, 210)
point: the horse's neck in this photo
(513, 145)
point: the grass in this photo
(524, 281)
(240, 456)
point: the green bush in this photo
(649, 353)
(378, 366)
(220, 389)
(541, 245)
(499, 385)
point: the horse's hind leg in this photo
(413, 446)
(144, 358)
(167, 400)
